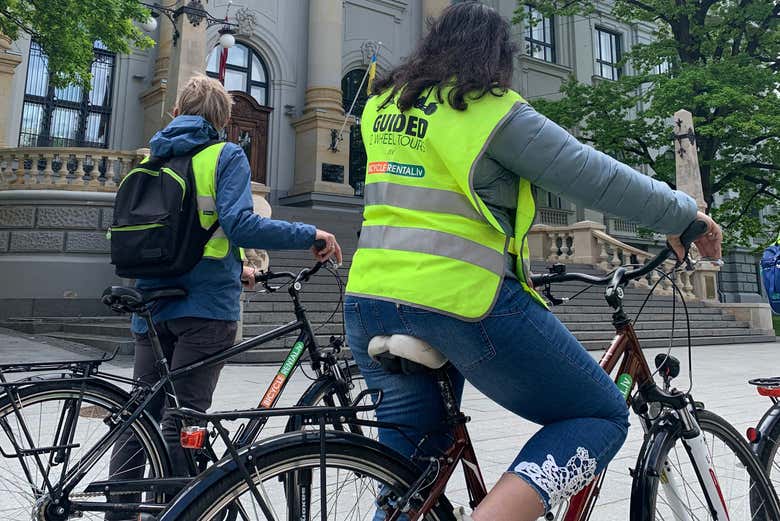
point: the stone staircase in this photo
(587, 316)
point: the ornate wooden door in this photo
(248, 128)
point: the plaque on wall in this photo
(333, 173)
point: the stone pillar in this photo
(8, 63)
(705, 282)
(432, 9)
(154, 98)
(687, 158)
(318, 168)
(188, 57)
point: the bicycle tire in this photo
(769, 452)
(759, 503)
(274, 459)
(97, 398)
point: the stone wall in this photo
(739, 279)
(53, 246)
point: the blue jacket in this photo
(214, 285)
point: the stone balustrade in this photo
(81, 169)
(588, 243)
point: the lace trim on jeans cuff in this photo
(560, 483)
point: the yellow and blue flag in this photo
(371, 74)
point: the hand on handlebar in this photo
(330, 248)
(709, 244)
(248, 277)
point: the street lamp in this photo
(195, 15)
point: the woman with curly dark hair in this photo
(452, 153)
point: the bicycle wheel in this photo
(667, 485)
(286, 472)
(45, 407)
(769, 454)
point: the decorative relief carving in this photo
(246, 20)
(368, 48)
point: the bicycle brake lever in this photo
(555, 301)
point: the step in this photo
(570, 318)
(644, 325)
(100, 319)
(118, 330)
(319, 329)
(106, 343)
(595, 345)
(680, 332)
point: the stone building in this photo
(296, 66)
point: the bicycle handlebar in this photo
(696, 229)
(304, 274)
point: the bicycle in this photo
(764, 438)
(57, 430)
(355, 477)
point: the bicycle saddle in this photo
(123, 298)
(405, 354)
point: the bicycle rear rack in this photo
(85, 366)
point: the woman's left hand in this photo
(248, 277)
(709, 244)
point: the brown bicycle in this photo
(692, 466)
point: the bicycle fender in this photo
(647, 461)
(257, 452)
(764, 427)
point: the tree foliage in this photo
(719, 59)
(67, 29)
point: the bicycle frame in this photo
(139, 401)
(624, 353)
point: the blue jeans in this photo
(521, 357)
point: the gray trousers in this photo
(183, 341)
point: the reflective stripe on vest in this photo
(428, 240)
(204, 170)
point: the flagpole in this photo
(340, 135)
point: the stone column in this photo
(432, 9)
(188, 57)
(705, 283)
(153, 99)
(687, 158)
(318, 168)
(8, 63)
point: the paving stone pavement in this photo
(720, 375)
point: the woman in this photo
(452, 152)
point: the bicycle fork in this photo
(673, 487)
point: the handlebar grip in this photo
(695, 230)
(319, 244)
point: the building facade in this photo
(296, 67)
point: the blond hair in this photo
(204, 96)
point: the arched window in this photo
(244, 71)
(71, 116)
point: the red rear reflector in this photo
(753, 435)
(769, 391)
(193, 437)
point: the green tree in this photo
(67, 29)
(719, 59)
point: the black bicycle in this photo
(59, 422)
(692, 465)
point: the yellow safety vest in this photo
(428, 240)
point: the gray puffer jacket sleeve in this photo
(533, 147)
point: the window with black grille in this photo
(71, 116)
(606, 47)
(540, 36)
